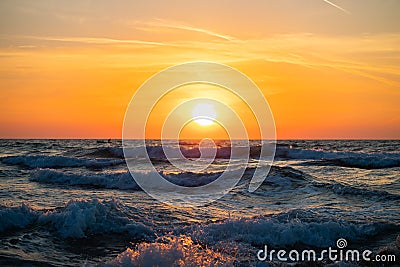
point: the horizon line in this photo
(194, 139)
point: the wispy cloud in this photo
(297, 49)
(179, 26)
(93, 40)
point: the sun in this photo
(204, 114)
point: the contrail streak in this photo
(162, 23)
(332, 4)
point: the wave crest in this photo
(58, 162)
(78, 219)
(171, 251)
(286, 230)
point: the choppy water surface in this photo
(73, 202)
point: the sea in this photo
(74, 203)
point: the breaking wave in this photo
(59, 162)
(78, 219)
(345, 159)
(286, 230)
(171, 251)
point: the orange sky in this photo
(68, 69)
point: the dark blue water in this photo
(73, 202)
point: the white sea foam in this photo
(171, 251)
(284, 230)
(78, 219)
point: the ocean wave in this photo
(171, 251)
(285, 230)
(157, 152)
(78, 219)
(107, 152)
(343, 189)
(297, 153)
(288, 176)
(368, 162)
(195, 152)
(16, 217)
(288, 172)
(125, 181)
(58, 162)
(284, 178)
(122, 181)
(190, 179)
(345, 159)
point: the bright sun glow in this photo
(204, 114)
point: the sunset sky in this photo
(329, 70)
